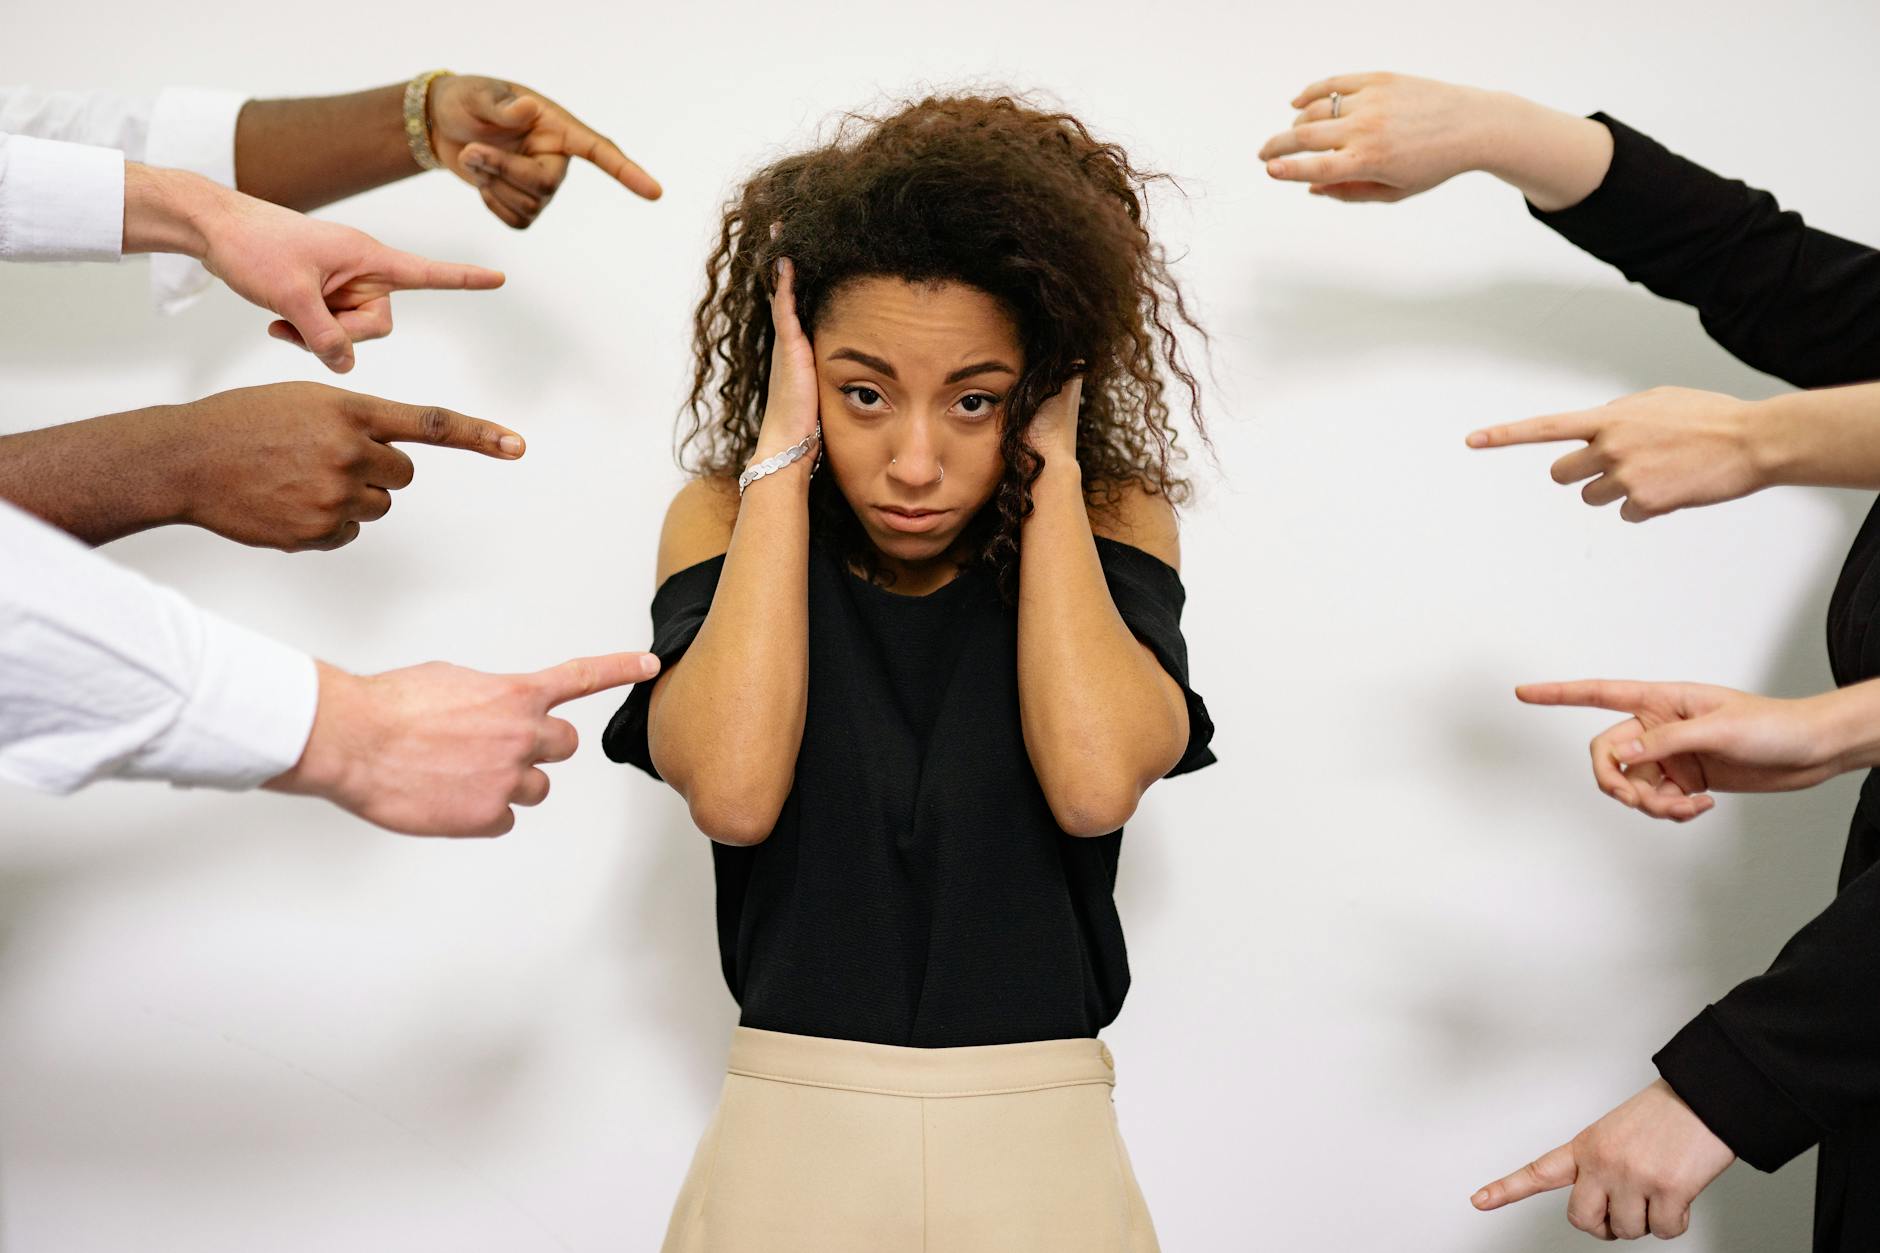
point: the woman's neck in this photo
(917, 578)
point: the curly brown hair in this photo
(993, 192)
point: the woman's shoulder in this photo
(1130, 513)
(698, 524)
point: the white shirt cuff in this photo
(191, 128)
(59, 201)
(247, 720)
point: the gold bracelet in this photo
(417, 119)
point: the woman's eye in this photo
(978, 405)
(866, 397)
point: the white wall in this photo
(1394, 945)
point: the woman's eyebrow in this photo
(857, 355)
(983, 367)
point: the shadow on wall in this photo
(665, 917)
(1623, 332)
(65, 321)
(1772, 861)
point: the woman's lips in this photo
(910, 521)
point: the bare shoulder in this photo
(1130, 514)
(698, 524)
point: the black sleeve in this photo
(1789, 1056)
(679, 609)
(1795, 302)
(1148, 593)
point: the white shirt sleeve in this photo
(60, 201)
(104, 673)
(183, 128)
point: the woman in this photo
(919, 620)
(1790, 1058)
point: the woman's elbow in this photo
(1086, 809)
(739, 821)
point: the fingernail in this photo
(1625, 798)
(1478, 439)
(649, 665)
(1276, 168)
(1479, 1199)
(1634, 749)
(511, 445)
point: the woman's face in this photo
(913, 380)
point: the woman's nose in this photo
(914, 460)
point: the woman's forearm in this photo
(308, 153)
(1102, 720)
(1829, 437)
(726, 721)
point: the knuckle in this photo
(434, 424)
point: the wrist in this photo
(1847, 727)
(171, 459)
(167, 210)
(1771, 440)
(781, 436)
(1061, 479)
(341, 744)
(1061, 465)
(157, 467)
(1552, 158)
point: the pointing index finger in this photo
(586, 675)
(590, 145)
(1555, 1169)
(391, 422)
(1620, 695)
(409, 272)
(1580, 424)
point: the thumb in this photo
(518, 113)
(322, 334)
(1556, 1169)
(1696, 735)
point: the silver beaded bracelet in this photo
(789, 456)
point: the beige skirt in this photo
(832, 1146)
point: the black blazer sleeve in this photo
(1793, 301)
(1792, 1055)
(1786, 1057)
